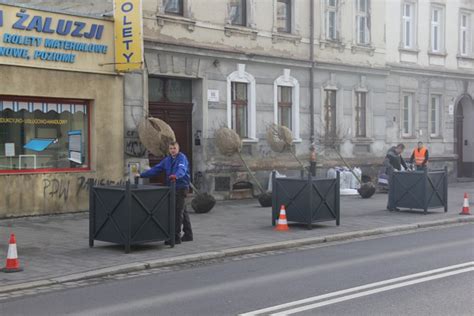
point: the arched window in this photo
(241, 109)
(286, 100)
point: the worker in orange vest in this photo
(420, 155)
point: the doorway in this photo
(170, 101)
(464, 135)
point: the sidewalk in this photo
(56, 246)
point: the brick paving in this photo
(57, 245)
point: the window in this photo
(43, 134)
(407, 113)
(331, 20)
(241, 106)
(239, 109)
(361, 114)
(408, 25)
(169, 90)
(174, 7)
(435, 116)
(363, 22)
(330, 113)
(285, 102)
(238, 12)
(284, 16)
(465, 35)
(436, 30)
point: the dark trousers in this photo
(182, 216)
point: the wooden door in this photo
(179, 118)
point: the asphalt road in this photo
(423, 273)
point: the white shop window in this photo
(43, 134)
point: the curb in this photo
(231, 252)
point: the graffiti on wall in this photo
(133, 146)
(56, 188)
(60, 189)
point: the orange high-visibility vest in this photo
(419, 155)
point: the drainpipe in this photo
(311, 88)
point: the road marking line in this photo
(370, 292)
(354, 289)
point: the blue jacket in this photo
(178, 166)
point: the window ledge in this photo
(323, 43)
(362, 140)
(296, 39)
(297, 140)
(249, 140)
(437, 54)
(363, 48)
(463, 57)
(230, 29)
(189, 23)
(438, 137)
(409, 137)
(413, 51)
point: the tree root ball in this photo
(265, 199)
(366, 190)
(203, 203)
(228, 141)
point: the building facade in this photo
(369, 74)
(360, 76)
(59, 101)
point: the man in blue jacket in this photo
(176, 167)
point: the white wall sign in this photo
(451, 109)
(10, 149)
(213, 95)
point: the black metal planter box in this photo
(132, 214)
(419, 190)
(306, 200)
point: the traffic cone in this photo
(282, 224)
(465, 206)
(13, 264)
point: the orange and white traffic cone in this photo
(282, 223)
(13, 263)
(465, 206)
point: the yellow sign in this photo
(128, 35)
(37, 38)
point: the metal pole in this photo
(311, 73)
(312, 167)
(251, 174)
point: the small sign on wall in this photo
(10, 149)
(451, 109)
(212, 95)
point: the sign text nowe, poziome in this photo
(50, 40)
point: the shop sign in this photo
(50, 40)
(128, 35)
